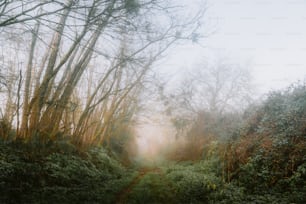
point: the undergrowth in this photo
(91, 176)
(261, 160)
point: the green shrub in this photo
(59, 177)
(193, 183)
(267, 159)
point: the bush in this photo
(193, 183)
(269, 153)
(59, 177)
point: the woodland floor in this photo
(142, 172)
(95, 177)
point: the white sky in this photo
(270, 35)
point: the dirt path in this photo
(122, 196)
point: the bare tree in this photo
(66, 37)
(207, 93)
(23, 11)
(217, 88)
(221, 87)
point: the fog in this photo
(153, 138)
(266, 37)
(145, 101)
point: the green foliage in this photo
(264, 160)
(264, 157)
(229, 193)
(59, 177)
(193, 183)
(284, 113)
(153, 188)
(268, 155)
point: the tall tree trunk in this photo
(57, 113)
(78, 71)
(39, 97)
(25, 111)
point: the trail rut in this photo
(122, 196)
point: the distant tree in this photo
(221, 87)
(206, 94)
(216, 88)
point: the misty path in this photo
(123, 194)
